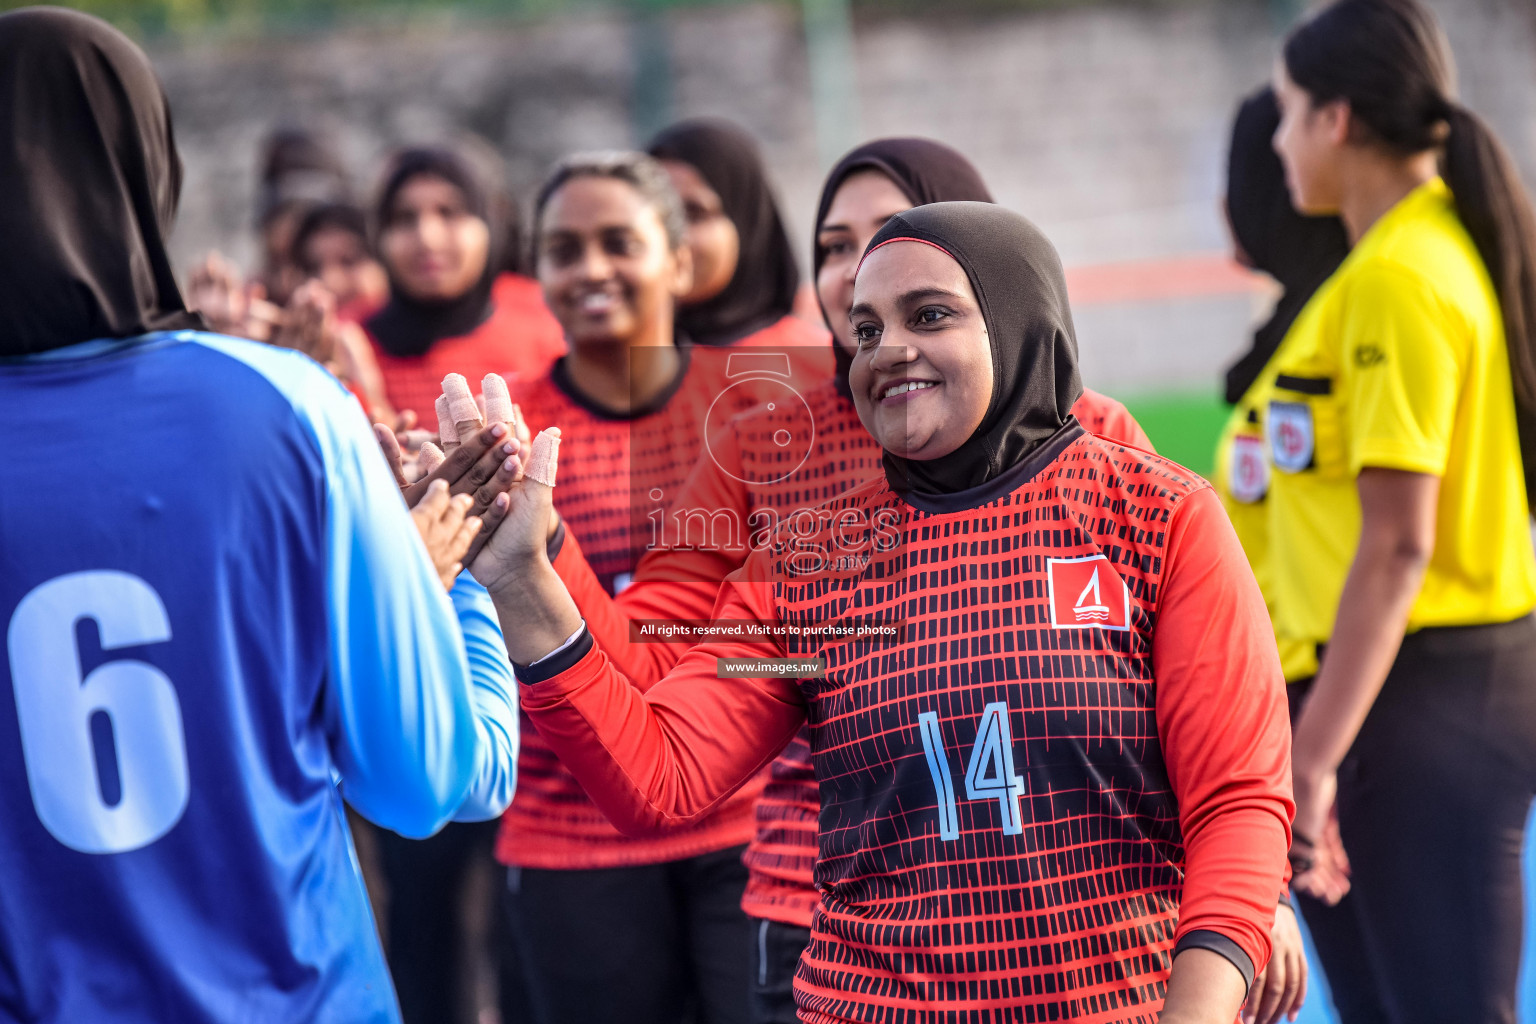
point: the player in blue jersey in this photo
(215, 605)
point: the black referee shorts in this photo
(1433, 799)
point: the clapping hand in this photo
(524, 517)
(309, 325)
(230, 305)
(481, 461)
(446, 529)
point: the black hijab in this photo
(1022, 291)
(924, 170)
(408, 326)
(762, 291)
(1297, 251)
(89, 181)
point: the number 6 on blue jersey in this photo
(54, 708)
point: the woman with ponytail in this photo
(1399, 513)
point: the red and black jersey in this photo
(762, 481)
(782, 855)
(1070, 759)
(751, 476)
(609, 465)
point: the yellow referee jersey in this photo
(1399, 362)
(1242, 481)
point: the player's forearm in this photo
(652, 762)
(1378, 595)
(536, 612)
(1204, 988)
(613, 620)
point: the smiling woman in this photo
(659, 918)
(449, 311)
(745, 274)
(922, 377)
(1116, 848)
(917, 316)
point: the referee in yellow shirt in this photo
(1398, 511)
(1300, 253)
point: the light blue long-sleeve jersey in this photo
(215, 604)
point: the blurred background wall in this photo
(1106, 122)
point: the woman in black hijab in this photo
(70, 270)
(745, 277)
(1298, 251)
(439, 237)
(780, 895)
(1035, 384)
(439, 230)
(864, 190)
(195, 864)
(920, 170)
(1123, 824)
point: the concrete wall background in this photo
(1107, 125)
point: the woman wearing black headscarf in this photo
(439, 233)
(175, 846)
(1106, 689)
(68, 277)
(1300, 253)
(865, 189)
(745, 276)
(873, 183)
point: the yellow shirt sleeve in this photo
(1402, 368)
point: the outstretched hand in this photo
(309, 325)
(536, 611)
(230, 305)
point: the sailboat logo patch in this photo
(1087, 592)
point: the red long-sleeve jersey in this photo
(1072, 760)
(762, 482)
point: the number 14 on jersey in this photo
(989, 774)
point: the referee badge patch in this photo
(1248, 474)
(1291, 437)
(1087, 592)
